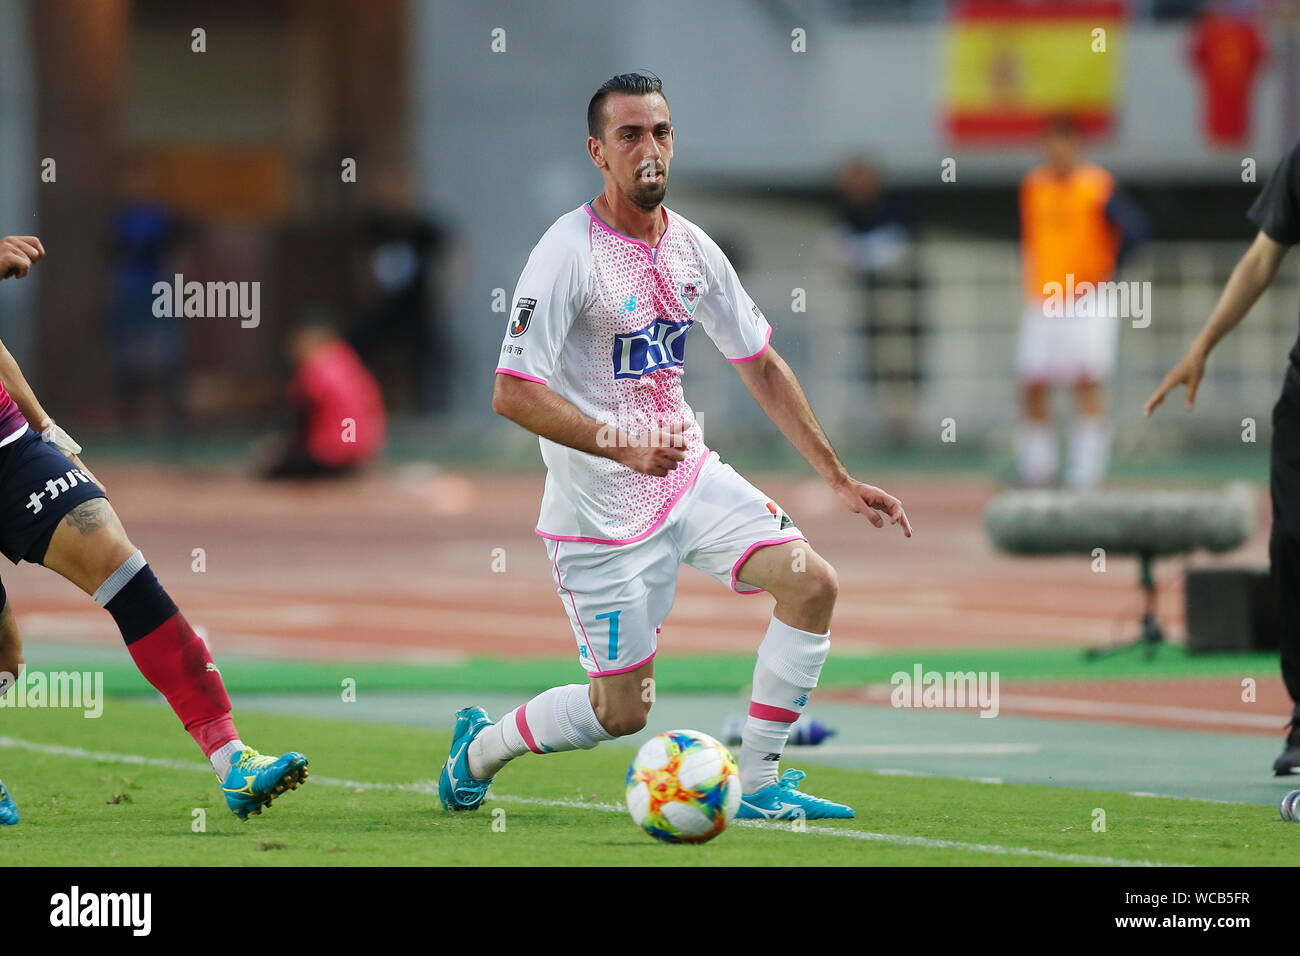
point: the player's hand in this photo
(657, 452)
(875, 503)
(1189, 372)
(17, 253)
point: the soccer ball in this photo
(683, 787)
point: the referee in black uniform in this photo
(1277, 214)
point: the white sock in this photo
(556, 720)
(223, 758)
(789, 663)
(1089, 451)
(1036, 453)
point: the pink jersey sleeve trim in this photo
(750, 550)
(749, 358)
(622, 670)
(526, 378)
(648, 531)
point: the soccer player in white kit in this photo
(592, 363)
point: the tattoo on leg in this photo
(89, 515)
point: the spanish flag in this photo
(1014, 64)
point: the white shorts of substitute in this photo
(1065, 349)
(617, 596)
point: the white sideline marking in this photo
(1155, 711)
(1042, 703)
(429, 786)
(894, 750)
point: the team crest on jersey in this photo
(660, 344)
(522, 317)
(689, 293)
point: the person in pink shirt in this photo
(339, 411)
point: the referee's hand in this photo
(1189, 371)
(17, 253)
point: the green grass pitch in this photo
(88, 799)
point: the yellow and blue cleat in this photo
(784, 800)
(457, 789)
(8, 809)
(255, 780)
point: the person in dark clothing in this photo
(401, 335)
(144, 237)
(872, 240)
(1276, 211)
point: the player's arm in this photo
(11, 376)
(17, 253)
(1251, 276)
(543, 412)
(778, 392)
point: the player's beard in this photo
(647, 195)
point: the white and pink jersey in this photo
(602, 320)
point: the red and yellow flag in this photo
(1014, 64)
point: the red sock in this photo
(177, 662)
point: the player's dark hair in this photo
(637, 84)
(1063, 124)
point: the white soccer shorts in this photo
(1066, 349)
(617, 596)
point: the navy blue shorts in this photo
(38, 486)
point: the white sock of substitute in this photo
(223, 758)
(1089, 452)
(1036, 454)
(789, 663)
(556, 720)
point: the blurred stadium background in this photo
(244, 142)
(466, 121)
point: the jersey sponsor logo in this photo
(522, 317)
(630, 304)
(689, 293)
(756, 315)
(660, 344)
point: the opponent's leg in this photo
(11, 666)
(90, 548)
(11, 646)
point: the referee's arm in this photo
(1251, 276)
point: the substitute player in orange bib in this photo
(592, 363)
(1075, 230)
(53, 512)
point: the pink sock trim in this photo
(768, 712)
(522, 723)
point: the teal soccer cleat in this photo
(784, 800)
(8, 809)
(456, 788)
(255, 780)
